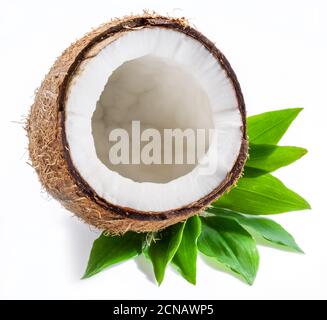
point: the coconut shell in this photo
(50, 154)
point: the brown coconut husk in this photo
(49, 150)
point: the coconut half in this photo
(160, 72)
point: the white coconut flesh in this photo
(164, 79)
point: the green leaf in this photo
(230, 244)
(252, 172)
(162, 251)
(269, 158)
(266, 228)
(109, 250)
(269, 127)
(185, 257)
(261, 195)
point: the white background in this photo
(278, 50)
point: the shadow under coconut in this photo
(81, 240)
(145, 266)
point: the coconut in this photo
(149, 68)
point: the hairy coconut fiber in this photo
(48, 147)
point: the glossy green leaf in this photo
(269, 158)
(230, 244)
(266, 228)
(264, 194)
(162, 251)
(249, 172)
(109, 250)
(186, 255)
(269, 127)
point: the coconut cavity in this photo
(160, 94)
